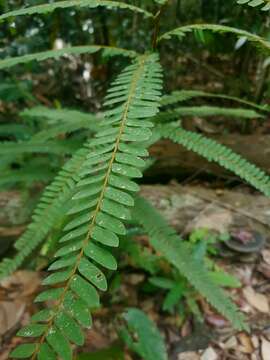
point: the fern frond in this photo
(11, 148)
(167, 242)
(49, 211)
(58, 116)
(99, 206)
(264, 3)
(185, 95)
(54, 54)
(205, 111)
(48, 8)
(27, 174)
(182, 31)
(19, 131)
(60, 121)
(56, 130)
(213, 151)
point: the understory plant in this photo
(93, 198)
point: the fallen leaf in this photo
(188, 355)
(257, 300)
(10, 314)
(265, 349)
(22, 283)
(213, 218)
(4, 355)
(255, 341)
(266, 256)
(135, 279)
(217, 321)
(230, 344)
(246, 343)
(209, 354)
(264, 268)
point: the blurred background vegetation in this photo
(196, 63)
(208, 61)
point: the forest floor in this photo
(187, 208)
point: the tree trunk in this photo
(174, 161)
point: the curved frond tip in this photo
(213, 151)
(48, 8)
(185, 95)
(182, 31)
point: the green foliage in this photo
(90, 199)
(225, 157)
(18, 131)
(53, 147)
(140, 256)
(48, 8)
(98, 208)
(54, 54)
(27, 175)
(202, 243)
(59, 121)
(176, 287)
(48, 212)
(185, 95)
(182, 31)
(204, 111)
(165, 240)
(149, 343)
(264, 3)
(114, 352)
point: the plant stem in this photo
(156, 24)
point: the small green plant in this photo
(204, 242)
(203, 245)
(93, 195)
(142, 336)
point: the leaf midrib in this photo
(101, 197)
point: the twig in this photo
(157, 22)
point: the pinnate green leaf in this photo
(70, 328)
(85, 291)
(59, 343)
(46, 353)
(93, 274)
(101, 256)
(23, 351)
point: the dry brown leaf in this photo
(230, 343)
(246, 343)
(257, 300)
(188, 355)
(127, 356)
(255, 341)
(22, 283)
(217, 320)
(213, 218)
(265, 349)
(264, 268)
(209, 354)
(266, 256)
(10, 314)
